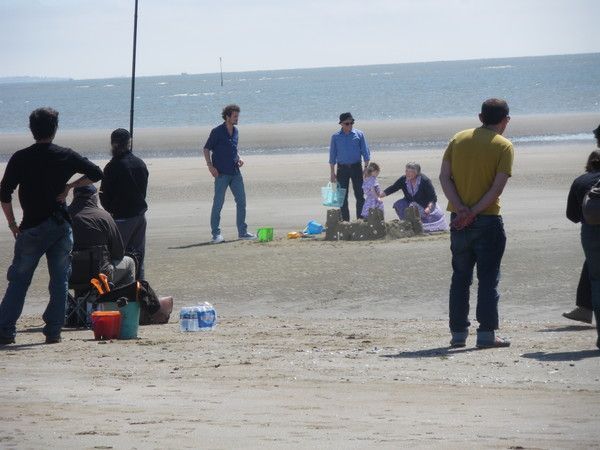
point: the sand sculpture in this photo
(372, 228)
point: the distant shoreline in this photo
(382, 135)
(34, 78)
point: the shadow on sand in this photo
(567, 328)
(35, 329)
(19, 347)
(577, 355)
(201, 244)
(439, 352)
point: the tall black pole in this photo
(133, 70)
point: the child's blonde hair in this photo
(372, 167)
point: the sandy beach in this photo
(319, 344)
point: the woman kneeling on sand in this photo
(419, 192)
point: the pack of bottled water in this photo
(202, 317)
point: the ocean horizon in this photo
(537, 85)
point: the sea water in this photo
(532, 85)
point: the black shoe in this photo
(53, 339)
(6, 340)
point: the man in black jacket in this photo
(92, 226)
(583, 310)
(41, 172)
(123, 194)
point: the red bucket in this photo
(106, 324)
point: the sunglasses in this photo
(347, 123)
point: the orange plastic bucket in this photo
(106, 324)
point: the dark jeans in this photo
(55, 240)
(481, 244)
(133, 233)
(590, 240)
(584, 289)
(345, 173)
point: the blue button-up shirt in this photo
(348, 148)
(223, 147)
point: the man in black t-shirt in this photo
(41, 173)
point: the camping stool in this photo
(78, 309)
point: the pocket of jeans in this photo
(498, 233)
(31, 234)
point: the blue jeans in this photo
(56, 241)
(481, 244)
(236, 184)
(590, 240)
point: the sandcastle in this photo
(372, 228)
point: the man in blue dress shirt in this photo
(224, 166)
(347, 148)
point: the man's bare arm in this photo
(449, 187)
(80, 182)
(212, 169)
(7, 208)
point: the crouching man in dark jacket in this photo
(92, 226)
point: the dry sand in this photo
(320, 344)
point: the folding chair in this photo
(85, 265)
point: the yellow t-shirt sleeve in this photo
(506, 161)
(448, 152)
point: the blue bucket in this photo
(313, 228)
(130, 318)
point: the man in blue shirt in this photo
(347, 148)
(224, 166)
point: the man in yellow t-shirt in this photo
(475, 169)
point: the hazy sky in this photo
(92, 38)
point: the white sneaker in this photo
(217, 239)
(248, 237)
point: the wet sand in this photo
(294, 137)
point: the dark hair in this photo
(597, 133)
(43, 123)
(346, 116)
(493, 111)
(228, 110)
(593, 162)
(119, 140)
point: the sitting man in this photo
(92, 226)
